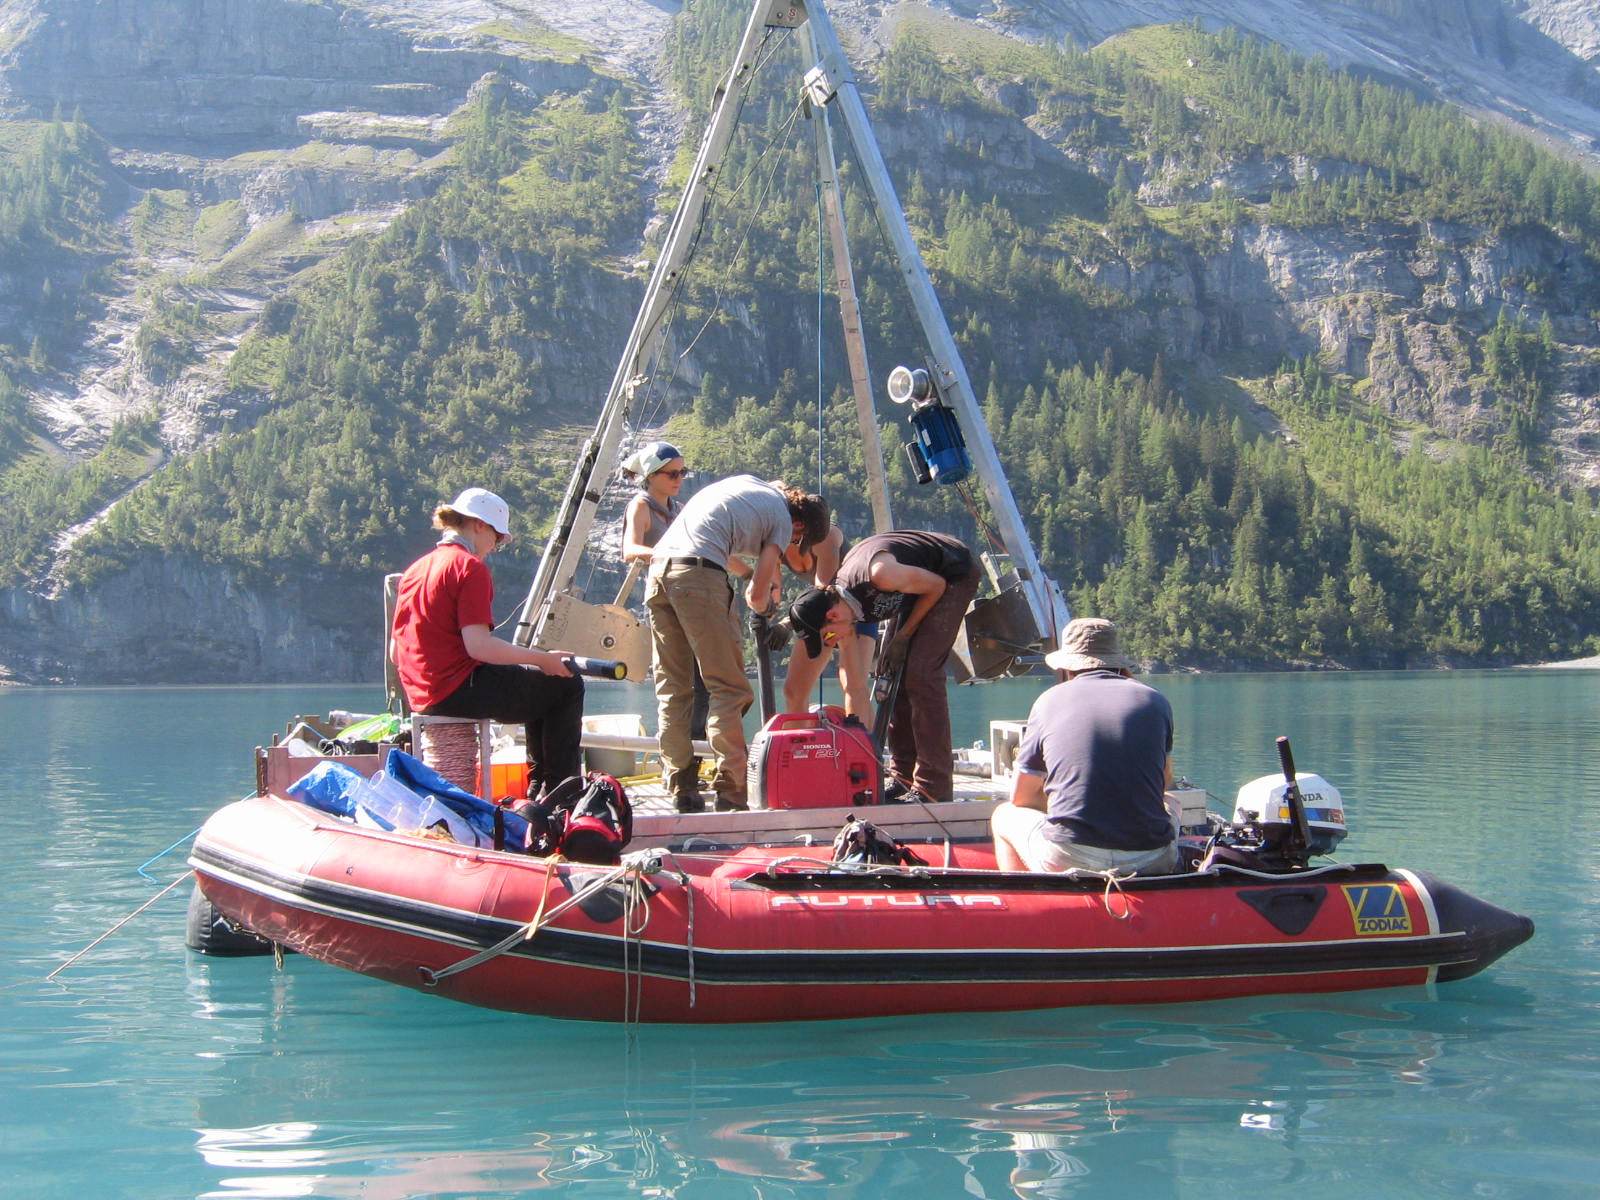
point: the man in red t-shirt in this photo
(452, 665)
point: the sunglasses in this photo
(679, 474)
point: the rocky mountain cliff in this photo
(281, 130)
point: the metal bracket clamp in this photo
(819, 87)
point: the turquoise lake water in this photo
(145, 1071)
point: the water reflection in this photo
(227, 1078)
(1033, 1105)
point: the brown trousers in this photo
(919, 728)
(694, 621)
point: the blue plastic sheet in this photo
(331, 787)
(474, 810)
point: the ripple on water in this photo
(230, 1078)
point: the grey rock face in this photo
(216, 630)
(245, 72)
(1530, 62)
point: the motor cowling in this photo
(1264, 802)
(940, 449)
(939, 454)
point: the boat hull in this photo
(765, 935)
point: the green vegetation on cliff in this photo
(471, 341)
(433, 356)
(55, 185)
(56, 189)
(1360, 542)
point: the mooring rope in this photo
(140, 870)
(1113, 884)
(119, 924)
(635, 900)
(544, 896)
(645, 862)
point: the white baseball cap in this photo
(487, 507)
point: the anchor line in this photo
(525, 932)
(119, 924)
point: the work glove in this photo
(892, 658)
(774, 633)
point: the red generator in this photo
(813, 760)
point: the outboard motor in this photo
(1264, 803)
(1279, 822)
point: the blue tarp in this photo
(331, 787)
(336, 788)
(474, 810)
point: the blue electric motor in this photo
(939, 455)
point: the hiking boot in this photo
(896, 791)
(684, 784)
(733, 804)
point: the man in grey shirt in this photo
(736, 527)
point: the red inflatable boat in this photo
(764, 934)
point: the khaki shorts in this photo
(1025, 829)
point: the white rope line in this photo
(1114, 884)
(635, 918)
(544, 896)
(540, 919)
(119, 925)
(798, 860)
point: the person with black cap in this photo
(736, 527)
(819, 564)
(450, 662)
(924, 582)
(1092, 769)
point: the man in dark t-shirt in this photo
(923, 582)
(1089, 792)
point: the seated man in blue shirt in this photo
(1093, 767)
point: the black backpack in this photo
(863, 842)
(585, 818)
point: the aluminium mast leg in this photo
(849, 309)
(1044, 599)
(569, 537)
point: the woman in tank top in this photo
(657, 468)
